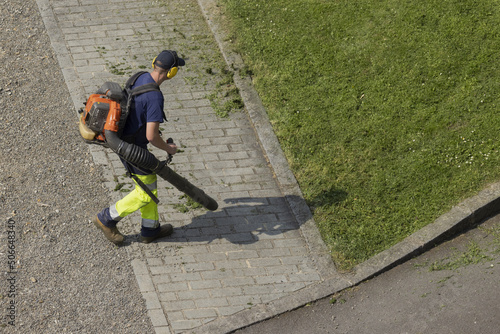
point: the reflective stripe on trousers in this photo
(139, 199)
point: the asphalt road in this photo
(453, 288)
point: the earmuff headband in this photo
(173, 70)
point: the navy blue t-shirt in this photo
(147, 107)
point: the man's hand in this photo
(153, 136)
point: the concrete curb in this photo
(466, 215)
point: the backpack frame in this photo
(108, 109)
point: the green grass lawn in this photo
(387, 110)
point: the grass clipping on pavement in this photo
(386, 110)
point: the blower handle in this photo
(170, 156)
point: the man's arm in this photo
(153, 136)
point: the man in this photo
(142, 127)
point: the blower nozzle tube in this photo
(142, 158)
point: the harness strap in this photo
(142, 185)
(153, 86)
(145, 188)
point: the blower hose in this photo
(142, 158)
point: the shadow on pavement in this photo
(242, 220)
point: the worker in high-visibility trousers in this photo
(143, 127)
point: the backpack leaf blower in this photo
(102, 122)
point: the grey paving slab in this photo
(252, 250)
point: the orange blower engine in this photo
(101, 113)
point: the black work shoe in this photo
(165, 230)
(111, 233)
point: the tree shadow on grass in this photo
(328, 198)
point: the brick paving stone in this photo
(157, 318)
(162, 330)
(213, 302)
(216, 264)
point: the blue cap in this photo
(168, 59)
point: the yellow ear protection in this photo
(172, 71)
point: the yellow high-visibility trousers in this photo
(138, 199)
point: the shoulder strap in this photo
(131, 81)
(144, 88)
(153, 86)
(131, 92)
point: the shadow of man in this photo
(242, 220)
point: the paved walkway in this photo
(259, 253)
